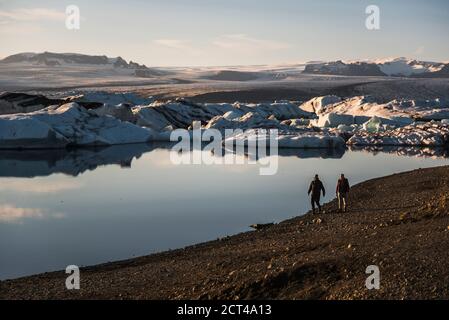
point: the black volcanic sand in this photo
(399, 223)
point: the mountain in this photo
(59, 59)
(74, 60)
(343, 69)
(399, 67)
(72, 70)
(442, 73)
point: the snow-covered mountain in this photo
(399, 67)
(341, 68)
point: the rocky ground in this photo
(399, 223)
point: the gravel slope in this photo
(399, 223)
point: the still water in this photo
(85, 207)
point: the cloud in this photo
(32, 14)
(234, 43)
(39, 186)
(27, 21)
(420, 50)
(13, 214)
(243, 42)
(172, 43)
(176, 44)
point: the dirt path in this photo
(399, 223)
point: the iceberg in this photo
(318, 105)
(373, 125)
(67, 125)
(103, 119)
(249, 120)
(431, 134)
(333, 120)
(290, 140)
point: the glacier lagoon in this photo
(90, 206)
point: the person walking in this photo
(315, 189)
(342, 193)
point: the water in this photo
(86, 207)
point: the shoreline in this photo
(399, 222)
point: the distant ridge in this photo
(56, 59)
(398, 67)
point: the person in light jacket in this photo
(342, 193)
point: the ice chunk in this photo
(69, 124)
(318, 105)
(373, 125)
(417, 134)
(150, 118)
(122, 112)
(233, 115)
(248, 121)
(345, 128)
(333, 120)
(304, 140)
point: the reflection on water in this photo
(11, 214)
(89, 206)
(36, 163)
(405, 151)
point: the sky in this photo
(228, 32)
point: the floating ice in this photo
(69, 124)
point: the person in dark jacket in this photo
(315, 189)
(342, 193)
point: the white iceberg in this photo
(248, 121)
(69, 124)
(431, 134)
(401, 111)
(318, 105)
(122, 112)
(289, 140)
(373, 125)
(333, 120)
